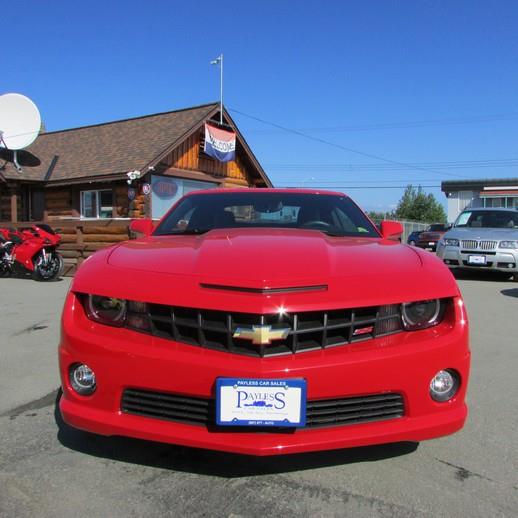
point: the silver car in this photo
(483, 239)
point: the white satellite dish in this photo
(20, 123)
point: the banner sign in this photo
(220, 144)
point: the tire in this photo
(5, 271)
(411, 242)
(514, 277)
(50, 270)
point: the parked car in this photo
(283, 296)
(430, 237)
(482, 239)
(414, 237)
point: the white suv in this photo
(485, 239)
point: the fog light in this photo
(82, 379)
(444, 385)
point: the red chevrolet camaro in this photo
(265, 321)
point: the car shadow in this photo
(27, 276)
(512, 292)
(480, 276)
(214, 463)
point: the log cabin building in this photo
(77, 179)
(81, 173)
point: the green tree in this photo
(416, 205)
(380, 216)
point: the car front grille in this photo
(305, 331)
(319, 413)
(487, 245)
(471, 244)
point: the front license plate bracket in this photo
(261, 402)
(476, 259)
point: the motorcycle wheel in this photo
(49, 270)
(5, 270)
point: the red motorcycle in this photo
(31, 250)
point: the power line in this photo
(477, 119)
(340, 182)
(459, 164)
(343, 148)
(354, 187)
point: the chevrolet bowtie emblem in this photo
(261, 335)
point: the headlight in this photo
(118, 312)
(508, 244)
(421, 314)
(451, 242)
(106, 310)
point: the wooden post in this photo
(14, 206)
(79, 242)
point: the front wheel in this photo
(48, 267)
(5, 268)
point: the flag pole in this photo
(219, 61)
(221, 89)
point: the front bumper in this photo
(427, 245)
(499, 260)
(402, 363)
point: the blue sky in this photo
(432, 84)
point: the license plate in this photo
(431, 243)
(477, 259)
(260, 402)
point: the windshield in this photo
(488, 219)
(331, 214)
(439, 227)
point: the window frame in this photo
(97, 203)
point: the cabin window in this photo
(97, 204)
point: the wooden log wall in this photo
(63, 203)
(59, 204)
(5, 206)
(189, 156)
(80, 239)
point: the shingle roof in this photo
(109, 148)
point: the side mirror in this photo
(142, 226)
(391, 230)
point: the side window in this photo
(97, 204)
(345, 223)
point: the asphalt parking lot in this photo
(49, 469)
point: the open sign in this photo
(165, 188)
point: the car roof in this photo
(224, 190)
(496, 209)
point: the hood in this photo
(489, 234)
(231, 268)
(262, 257)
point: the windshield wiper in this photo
(331, 232)
(186, 232)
